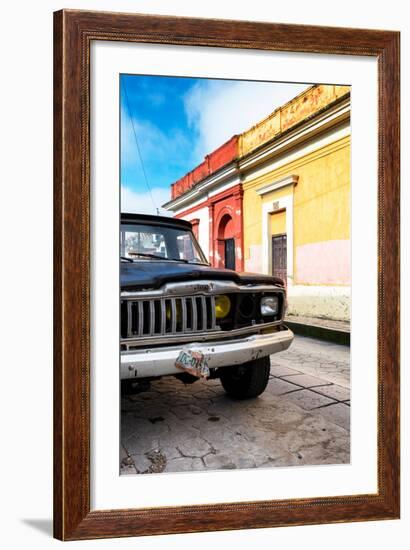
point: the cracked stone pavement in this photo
(302, 418)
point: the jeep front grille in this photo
(185, 315)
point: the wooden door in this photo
(230, 253)
(279, 262)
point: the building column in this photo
(238, 225)
(195, 228)
(211, 211)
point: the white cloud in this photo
(143, 203)
(219, 109)
(155, 145)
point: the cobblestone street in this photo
(303, 417)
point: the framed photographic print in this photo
(226, 275)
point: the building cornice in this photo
(209, 202)
(279, 184)
(330, 117)
(230, 171)
(292, 165)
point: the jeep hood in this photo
(153, 274)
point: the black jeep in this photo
(182, 317)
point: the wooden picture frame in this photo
(74, 32)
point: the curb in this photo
(322, 333)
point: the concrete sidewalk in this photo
(324, 329)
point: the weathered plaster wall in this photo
(328, 302)
(325, 262)
(252, 225)
(321, 228)
(317, 208)
(212, 215)
(202, 214)
(278, 222)
(322, 196)
(303, 106)
(227, 152)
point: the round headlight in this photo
(222, 306)
(269, 305)
(247, 306)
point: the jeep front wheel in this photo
(247, 380)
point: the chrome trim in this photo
(204, 336)
(173, 315)
(203, 310)
(152, 317)
(213, 314)
(197, 288)
(184, 315)
(129, 317)
(163, 316)
(142, 363)
(140, 317)
(194, 314)
(184, 300)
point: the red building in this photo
(210, 197)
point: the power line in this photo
(138, 147)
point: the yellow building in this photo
(295, 171)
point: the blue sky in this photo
(174, 122)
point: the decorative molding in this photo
(286, 204)
(199, 190)
(319, 123)
(234, 190)
(279, 184)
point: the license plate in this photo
(193, 362)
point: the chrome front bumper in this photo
(161, 361)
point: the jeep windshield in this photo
(159, 242)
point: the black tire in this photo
(247, 380)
